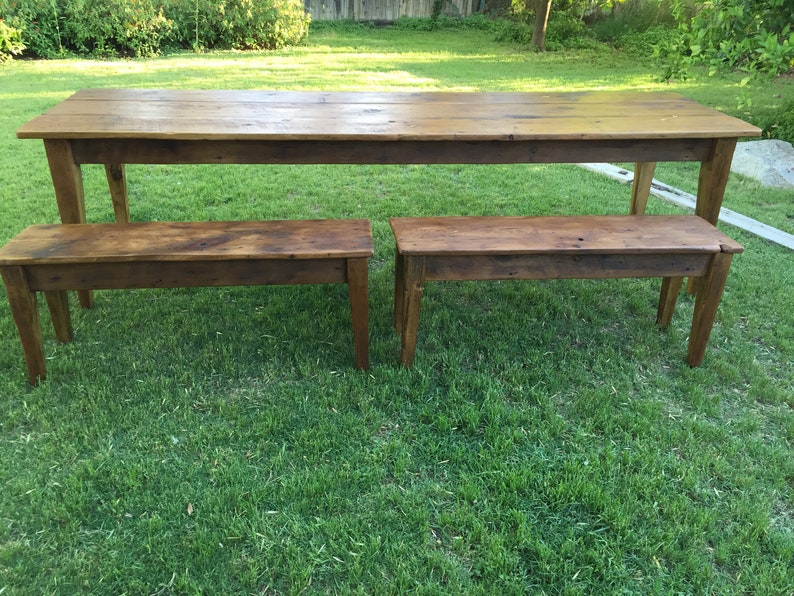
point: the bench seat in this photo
(586, 247)
(57, 258)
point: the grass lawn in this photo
(549, 439)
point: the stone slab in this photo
(771, 162)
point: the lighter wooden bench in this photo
(56, 258)
(490, 248)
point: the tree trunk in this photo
(542, 10)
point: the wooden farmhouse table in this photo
(115, 127)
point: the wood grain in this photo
(430, 116)
(189, 241)
(580, 235)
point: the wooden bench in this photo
(56, 258)
(490, 248)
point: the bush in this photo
(237, 24)
(10, 42)
(644, 43)
(39, 23)
(630, 17)
(475, 22)
(146, 27)
(754, 36)
(114, 27)
(257, 24)
(777, 122)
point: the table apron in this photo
(160, 151)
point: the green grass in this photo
(549, 439)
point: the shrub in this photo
(39, 24)
(629, 17)
(237, 24)
(10, 42)
(114, 27)
(755, 36)
(256, 24)
(777, 122)
(145, 27)
(644, 43)
(475, 22)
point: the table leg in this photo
(117, 182)
(641, 186)
(711, 187)
(67, 178)
(713, 179)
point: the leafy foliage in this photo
(145, 27)
(643, 43)
(10, 42)
(566, 28)
(109, 27)
(39, 23)
(752, 35)
(238, 24)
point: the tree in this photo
(542, 10)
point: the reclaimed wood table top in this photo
(380, 116)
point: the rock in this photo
(770, 162)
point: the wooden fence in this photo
(385, 10)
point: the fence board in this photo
(383, 10)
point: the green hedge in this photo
(51, 28)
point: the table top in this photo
(380, 116)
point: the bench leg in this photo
(710, 289)
(358, 284)
(24, 308)
(58, 304)
(667, 299)
(413, 283)
(399, 291)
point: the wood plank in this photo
(189, 241)
(563, 235)
(374, 127)
(452, 111)
(561, 266)
(376, 97)
(129, 113)
(184, 274)
(146, 151)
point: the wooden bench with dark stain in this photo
(57, 258)
(587, 247)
